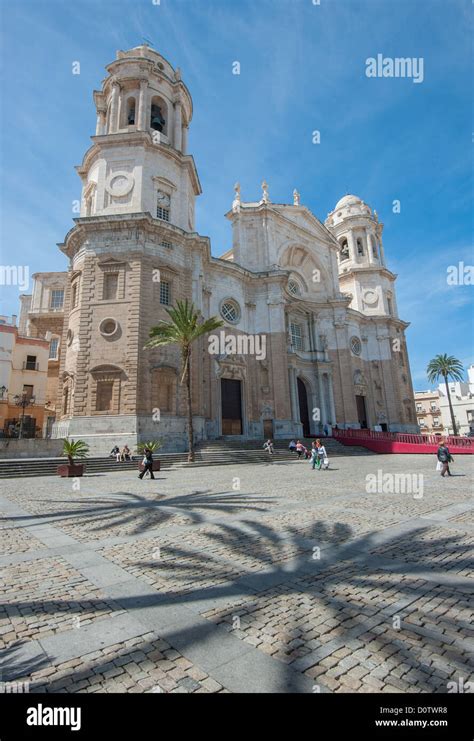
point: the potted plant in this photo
(73, 449)
(154, 446)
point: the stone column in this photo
(142, 105)
(184, 143)
(331, 400)
(352, 247)
(370, 254)
(322, 400)
(178, 126)
(103, 121)
(294, 400)
(98, 126)
(114, 108)
(381, 251)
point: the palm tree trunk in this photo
(190, 409)
(453, 421)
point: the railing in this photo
(404, 437)
(45, 309)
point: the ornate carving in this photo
(359, 378)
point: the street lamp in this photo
(23, 401)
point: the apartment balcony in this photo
(30, 366)
(421, 412)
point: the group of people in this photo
(121, 455)
(317, 454)
(125, 455)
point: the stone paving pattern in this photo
(298, 581)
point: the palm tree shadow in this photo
(141, 513)
(243, 569)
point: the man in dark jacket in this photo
(148, 464)
(444, 457)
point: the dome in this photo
(348, 200)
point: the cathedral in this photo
(311, 334)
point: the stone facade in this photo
(311, 336)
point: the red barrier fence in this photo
(403, 442)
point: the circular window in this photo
(108, 327)
(69, 337)
(356, 346)
(230, 311)
(294, 287)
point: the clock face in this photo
(163, 199)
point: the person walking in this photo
(444, 457)
(322, 457)
(147, 464)
(315, 463)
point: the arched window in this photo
(159, 115)
(130, 112)
(344, 250)
(360, 246)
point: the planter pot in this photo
(156, 466)
(67, 471)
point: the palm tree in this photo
(446, 366)
(74, 449)
(183, 329)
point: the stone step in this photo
(214, 453)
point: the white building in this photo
(462, 400)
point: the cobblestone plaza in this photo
(247, 578)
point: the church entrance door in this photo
(304, 412)
(231, 395)
(361, 411)
(268, 429)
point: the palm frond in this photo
(445, 366)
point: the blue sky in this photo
(302, 69)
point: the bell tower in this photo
(362, 270)
(130, 257)
(138, 161)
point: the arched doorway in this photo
(303, 404)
